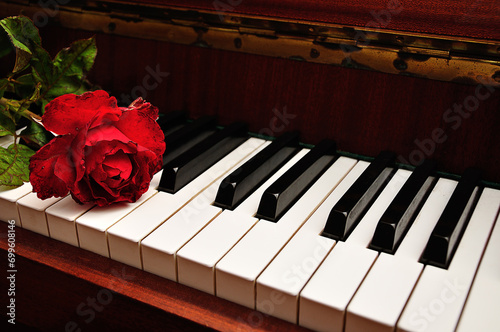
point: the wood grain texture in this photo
(364, 111)
(466, 18)
(58, 285)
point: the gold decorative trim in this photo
(444, 58)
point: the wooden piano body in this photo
(418, 79)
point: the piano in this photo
(352, 184)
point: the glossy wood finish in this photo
(365, 112)
(56, 284)
(447, 17)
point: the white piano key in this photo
(32, 212)
(159, 249)
(124, 237)
(350, 260)
(299, 259)
(196, 260)
(237, 272)
(195, 266)
(155, 181)
(91, 226)
(481, 309)
(388, 284)
(437, 301)
(61, 219)
(8, 205)
(380, 299)
(289, 271)
(6, 141)
(324, 299)
(332, 287)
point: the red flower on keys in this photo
(102, 154)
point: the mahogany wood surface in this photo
(466, 18)
(364, 111)
(57, 284)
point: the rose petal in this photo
(70, 113)
(43, 175)
(98, 174)
(105, 116)
(103, 195)
(143, 130)
(105, 187)
(113, 183)
(81, 191)
(119, 161)
(111, 171)
(73, 161)
(106, 133)
(95, 155)
(134, 187)
(144, 107)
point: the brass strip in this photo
(443, 58)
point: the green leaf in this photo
(69, 69)
(24, 86)
(42, 67)
(24, 36)
(35, 135)
(77, 59)
(84, 87)
(44, 103)
(63, 86)
(22, 32)
(14, 165)
(22, 60)
(7, 125)
(25, 104)
(8, 109)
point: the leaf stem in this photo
(6, 102)
(35, 117)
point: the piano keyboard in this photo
(330, 243)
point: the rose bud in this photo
(103, 153)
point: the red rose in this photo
(102, 154)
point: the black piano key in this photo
(188, 136)
(171, 121)
(184, 168)
(285, 191)
(451, 225)
(354, 203)
(403, 209)
(236, 186)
